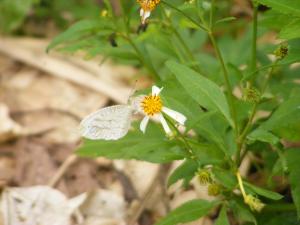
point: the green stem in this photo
(185, 15)
(227, 82)
(225, 72)
(248, 126)
(187, 50)
(142, 58)
(240, 182)
(182, 42)
(181, 137)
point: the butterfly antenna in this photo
(133, 90)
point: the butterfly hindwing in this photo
(110, 123)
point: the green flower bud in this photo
(104, 13)
(204, 177)
(281, 52)
(214, 189)
(251, 95)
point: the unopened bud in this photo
(204, 177)
(104, 13)
(214, 189)
(251, 95)
(281, 52)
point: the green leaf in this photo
(285, 121)
(226, 178)
(263, 136)
(213, 127)
(13, 13)
(187, 212)
(263, 192)
(283, 6)
(207, 153)
(201, 89)
(171, 88)
(222, 219)
(185, 171)
(152, 146)
(293, 159)
(278, 217)
(81, 29)
(291, 31)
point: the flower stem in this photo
(240, 181)
(181, 137)
(248, 126)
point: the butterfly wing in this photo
(110, 123)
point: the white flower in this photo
(152, 107)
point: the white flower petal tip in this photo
(177, 116)
(165, 124)
(144, 123)
(156, 90)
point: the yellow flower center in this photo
(151, 104)
(148, 5)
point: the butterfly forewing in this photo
(110, 123)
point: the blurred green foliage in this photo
(15, 13)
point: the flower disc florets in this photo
(148, 5)
(151, 105)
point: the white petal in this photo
(165, 124)
(177, 116)
(156, 90)
(144, 15)
(144, 123)
(142, 12)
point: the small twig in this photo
(130, 192)
(162, 182)
(62, 170)
(143, 202)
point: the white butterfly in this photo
(113, 123)
(110, 123)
